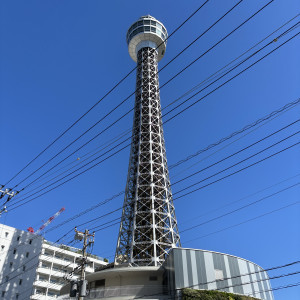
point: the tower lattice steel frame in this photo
(148, 228)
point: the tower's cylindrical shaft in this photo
(148, 227)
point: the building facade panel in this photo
(216, 271)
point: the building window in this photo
(27, 254)
(2, 247)
(153, 278)
(6, 278)
(3, 294)
(24, 268)
(30, 242)
(20, 282)
(10, 265)
(18, 238)
(6, 234)
(15, 251)
(100, 283)
(17, 296)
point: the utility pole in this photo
(7, 192)
(87, 239)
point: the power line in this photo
(241, 72)
(183, 179)
(225, 146)
(240, 199)
(237, 152)
(214, 75)
(244, 222)
(95, 124)
(240, 208)
(213, 219)
(177, 113)
(252, 203)
(133, 93)
(194, 94)
(221, 172)
(121, 104)
(171, 117)
(247, 127)
(236, 172)
(220, 41)
(109, 92)
(231, 175)
(191, 90)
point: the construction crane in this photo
(30, 229)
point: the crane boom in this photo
(30, 229)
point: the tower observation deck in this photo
(148, 228)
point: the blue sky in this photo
(59, 57)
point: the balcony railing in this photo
(72, 249)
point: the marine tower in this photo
(148, 228)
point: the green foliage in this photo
(105, 260)
(191, 294)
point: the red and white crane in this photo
(30, 229)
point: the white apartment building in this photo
(33, 268)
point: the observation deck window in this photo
(140, 23)
(153, 23)
(147, 22)
(147, 28)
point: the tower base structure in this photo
(183, 269)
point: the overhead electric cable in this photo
(244, 222)
(231, 174)
(245, 128)
(239, 200)
(240, 208)
(15, 203)
(220, 41)
(109, 92)
(241, 150)
(90, 128)
(210, 220)
(187, 99)
(116, 152)
(241, 72)
(207, 185)
(191, 90)
(225, 146)
(212, 76)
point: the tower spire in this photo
(148, 228)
